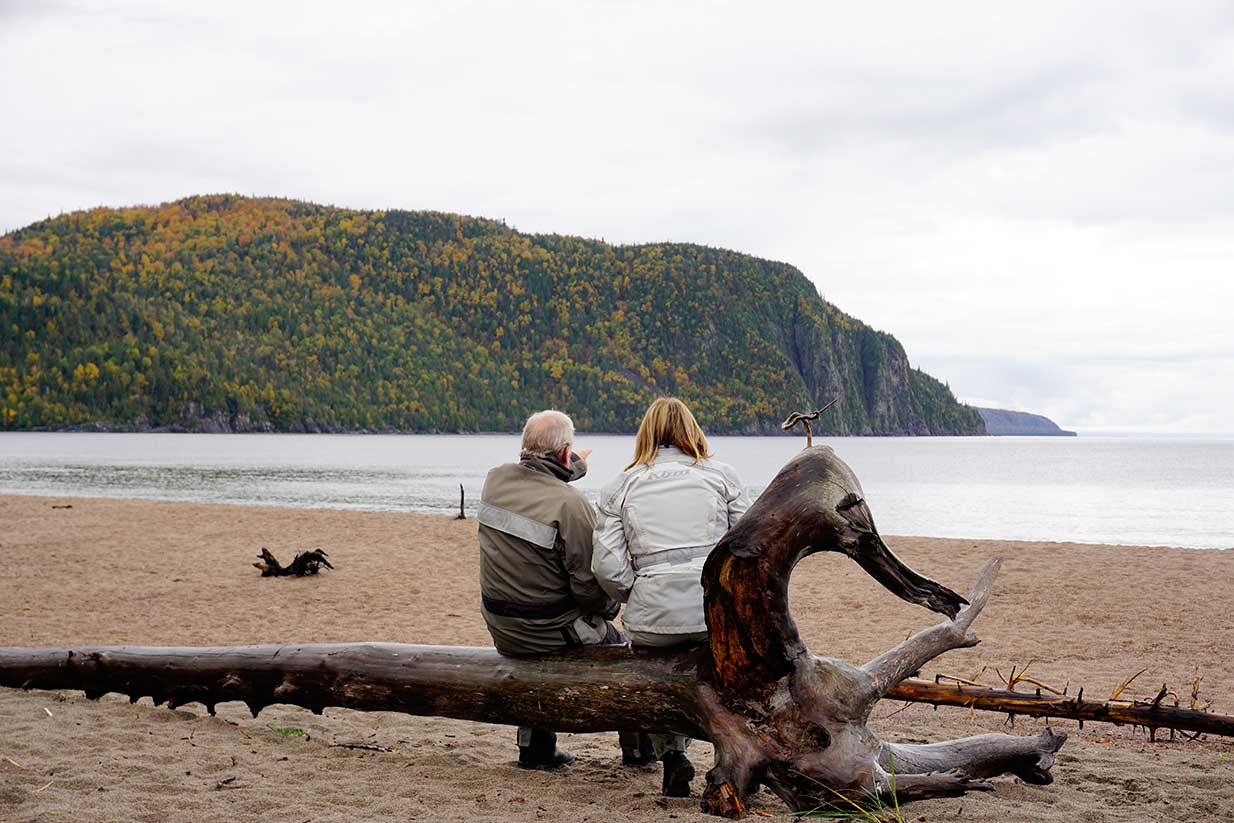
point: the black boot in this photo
(636, 749)
(542, 752)
(678, 772)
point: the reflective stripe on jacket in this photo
(657, 523)
(537, 589)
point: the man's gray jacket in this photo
(535, 533)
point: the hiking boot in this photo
(678, 772)
(637, 749)
(542, 753)
(544, 762)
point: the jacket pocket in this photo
(667, 598)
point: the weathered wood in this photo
(814, 504)
(1119, 712)
(778, 715)
(805, 420)
(804, 734)
(906, 659)
(633, 687)
(603, 688)
(305, 563)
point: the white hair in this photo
(547, 433)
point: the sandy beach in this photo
(139, 572)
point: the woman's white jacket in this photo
(657, 523)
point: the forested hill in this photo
(234, 313)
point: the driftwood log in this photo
(778, 715)
(1151, 714)
(304, 563)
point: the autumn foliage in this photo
(278, 314)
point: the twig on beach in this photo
(1020, 677)
(1123, 686)
(905, 707)
(1161, 695)
(44, 786)
(462, 515)
(196, 745)
(950, 678)
(1195, 693)
(368, 747)
(18, 765)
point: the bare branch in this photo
(906, 659)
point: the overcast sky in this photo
(1036, 198)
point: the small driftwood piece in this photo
(366, 747)
(305, 563)
(462, 515)
(805, 420)
(778, 715)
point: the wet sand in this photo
(140, 572)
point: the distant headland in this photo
(1006, 422)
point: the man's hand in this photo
(577, 464)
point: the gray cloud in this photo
(1045, 185)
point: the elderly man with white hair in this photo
(536, 584)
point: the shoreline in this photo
(1011, 541)
(122, 571)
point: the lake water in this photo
(1138, 491)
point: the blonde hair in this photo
(668, 422)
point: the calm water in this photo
(1141, 491)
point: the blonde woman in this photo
(658, 521)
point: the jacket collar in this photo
(674, 454)
(545, 466)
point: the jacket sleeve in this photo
(576, 527)
(578, 467)
(738, 498)
(611, 558)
